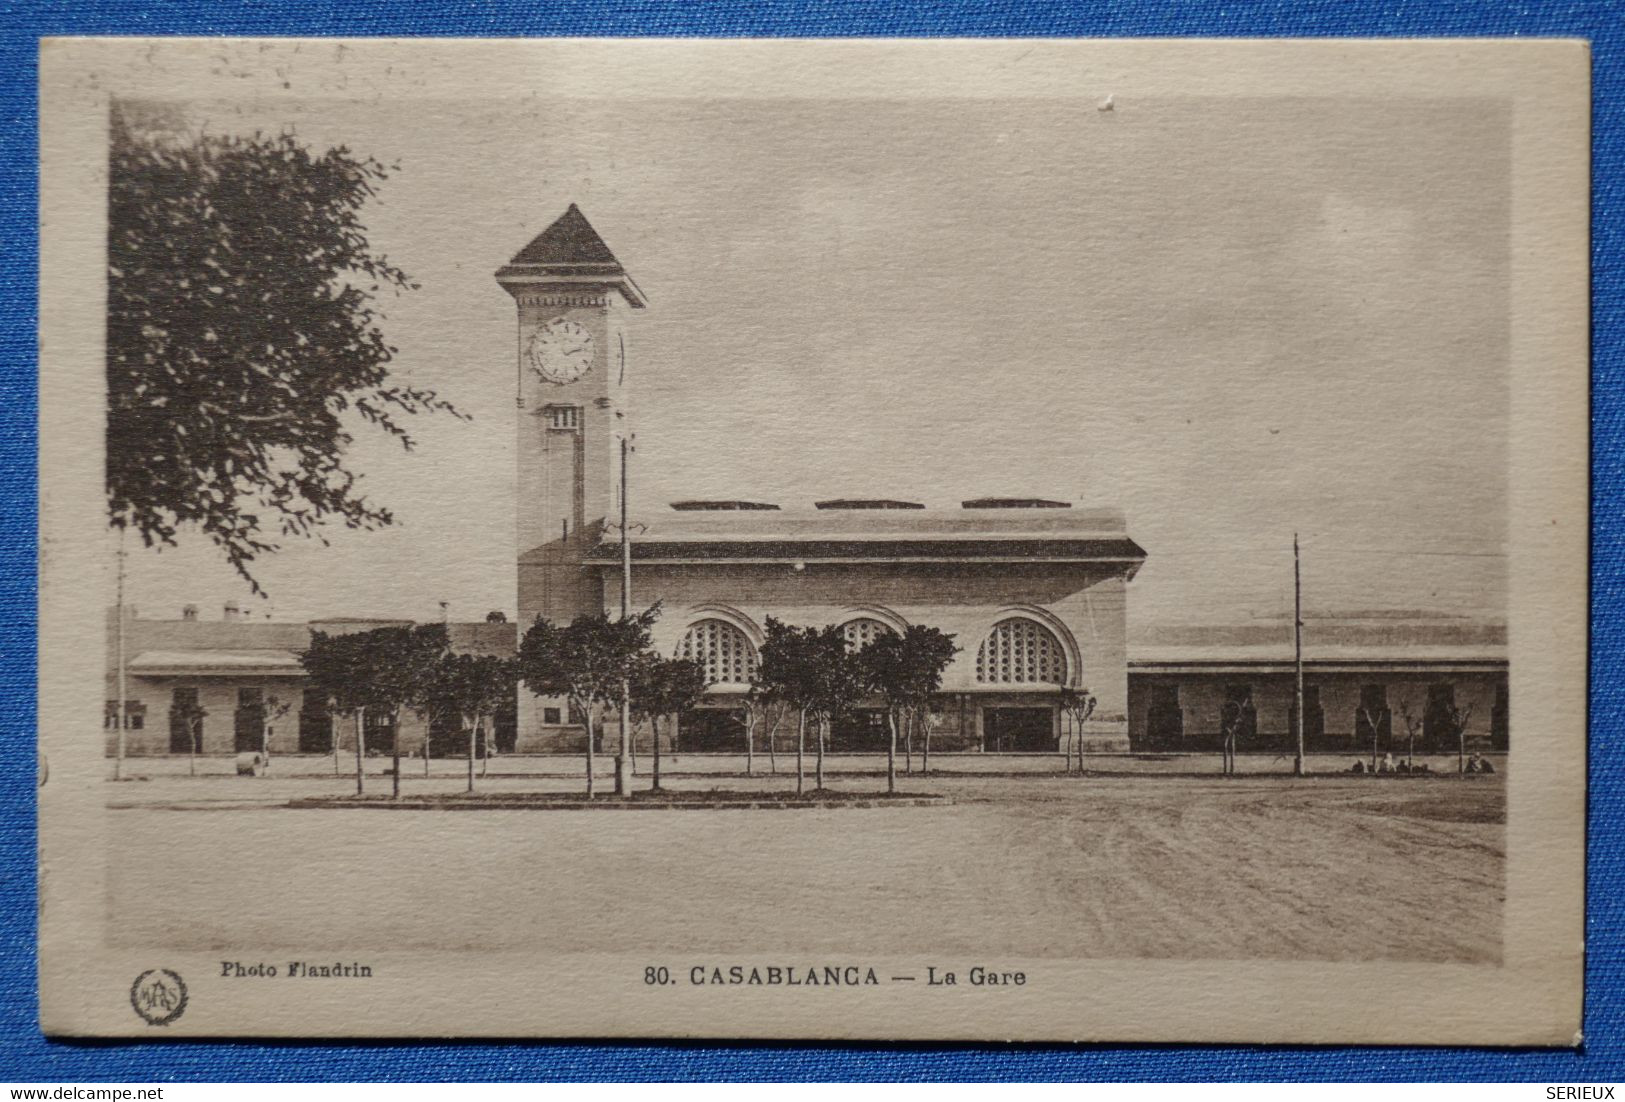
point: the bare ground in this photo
(1322, 868)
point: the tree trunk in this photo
(265, 745)
(772, 749)
(333, 737)
(192, 747)
(487, 739)
(428, 748)
(586, 715)
(925, 740)
(801, 749)
(1461, 748)
(1410, 751)
(891, 751)
(473, 733)
(750, 744)
(819, 783)
(908, 750)
(654, 728)
(395, 755)
(360, 748)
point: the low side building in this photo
(246, 678)
(1363, 675)
(1394, 676)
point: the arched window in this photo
(863, 631)
(1021, 652)
(724, 651)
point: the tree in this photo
(1230, 720)
(838, 681)
(191, 714)
(398, 671)
(1373, 721)
(584, 662)
(470, 688)
(1459, 718)
(906, 670)
(884, 659)
(337, 668)
(765, 709)
(928, 653)
(1412, 720)
(662, 687)
(1077, 705)
(784, 671)
(242, 337)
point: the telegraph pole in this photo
(623, 761)
(1297, 647)
(118, 718)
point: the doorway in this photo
(1019, 731)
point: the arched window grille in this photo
(1020, 652)
(724, 651)
(861, 632)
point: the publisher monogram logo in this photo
(159, 996)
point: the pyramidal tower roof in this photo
(568, 251)
(569, 240)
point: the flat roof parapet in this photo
(1014, 503)
(722, 506)
(867, 503)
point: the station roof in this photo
(203, 663)
(876, 534)
(1389, 642)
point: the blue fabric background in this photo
(26, 1056)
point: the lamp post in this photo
(623, 760)
(118, 717)
(1297, 648)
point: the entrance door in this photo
(249, 722)
(183, 714)
(315, 725)
(708, 731)
(1019, 731)
(862, 731)
(1165, 719)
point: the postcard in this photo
(989, 540)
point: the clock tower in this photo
(574, 299)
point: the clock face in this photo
(560, 351)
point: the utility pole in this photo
(623, 760)
(118, 717)
(1297, 646)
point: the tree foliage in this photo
(242, 335)
(906, 670)
(383, 670)
(468, 687)
(336, 667)
(665, 686)
(812, 669)
(661, 687)
(584, 662)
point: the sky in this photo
(1232, 319)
